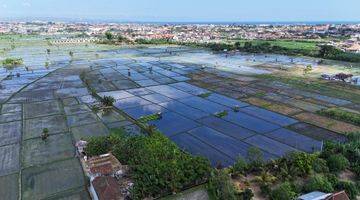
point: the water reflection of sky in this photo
(238, 62)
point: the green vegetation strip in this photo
(342, 115)
(204, 95)
(153, 117)
(158, 166)
(221, 114)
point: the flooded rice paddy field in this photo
(211, 105)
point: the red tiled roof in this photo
(107, 188)
(103, 169)
(339, 196)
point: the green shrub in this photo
(332, 178)
(240, 166)
(108, 101)
(320, 183)
(220, 186)
(350, 188)
(284, 191)
(337, 163)
(255, 158)
(354, 136)
(331, 148)
(97, 146)
(320, 166)
(356, 169)
(12, 61)
(265, 189)
(302, 161)
(247, 194)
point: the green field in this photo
(289, 44)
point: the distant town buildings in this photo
(349, 34)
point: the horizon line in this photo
(90, 20)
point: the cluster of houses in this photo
(348, 78)
(109, 179)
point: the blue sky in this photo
(185, 10)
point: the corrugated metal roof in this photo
(316, 195)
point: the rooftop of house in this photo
(104, 164)
(107, 188)
(316, 195)
(339, 196)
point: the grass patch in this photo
(338, 114)
(8, 62)
(148, 118)
(289, 44)
(260, 94)
(204, 95)
(221, 114)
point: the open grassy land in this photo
(310, 45)
(311, 48)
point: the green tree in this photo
(97, 146)
(240, 166)
(247, 194)
(255, 158)
(337, 163)
(248, 46)
(320, 183)
(327, 51)
(108, 101)
(121, 38)
(302, 161)
(284, 191)
(220, 186)
(109, 36)
(350, 189)
(237, 45)
(320, 166)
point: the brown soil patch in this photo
(327, 123)
(347, 175)
(283, 109)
